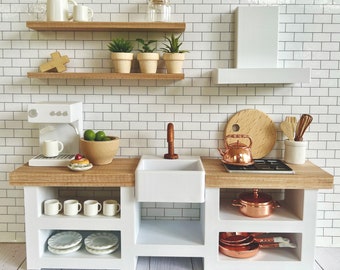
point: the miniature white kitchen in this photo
(228, 158)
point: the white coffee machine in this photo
(62, 121)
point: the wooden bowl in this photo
(99, 152)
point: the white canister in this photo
(295, 152)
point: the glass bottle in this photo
(159, 11)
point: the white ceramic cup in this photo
(58, 10)
(111, 208)
(295, 152)
(92, 207)
(82, 13)
(52, 207)
(52, 148)
(72, 207)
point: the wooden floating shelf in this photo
(105, 76)
(107, 26)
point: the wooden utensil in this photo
(302, 126)
(293, 121)
(287, 129)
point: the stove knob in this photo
(52, 113)
(33, 113)
(58, 113)
(65, 113)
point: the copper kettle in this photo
(237, 153)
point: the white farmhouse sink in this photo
(170, 180)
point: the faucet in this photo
(170, 138)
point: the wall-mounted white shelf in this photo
(261, 75)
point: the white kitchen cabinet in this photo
(174, 238)
(295, 219)
(197, 239)
(40, 227)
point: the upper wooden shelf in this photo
(107, 26)
(105, 76)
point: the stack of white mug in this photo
(72, 207)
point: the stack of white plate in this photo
(64, 242)
(101, 243)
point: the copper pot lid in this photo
(256, 198)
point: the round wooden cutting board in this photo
(258, 126)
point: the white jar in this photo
(159, 11)
(295, 152)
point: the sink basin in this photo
(170, 180)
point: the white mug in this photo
(72, 207)
(92, 207)
(52, 207)
(111, 208)
(58, 10)
(82, 13)
(52, 148)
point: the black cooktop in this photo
(274, 166)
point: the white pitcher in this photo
(58, 10)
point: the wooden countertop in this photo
(121, 172)
(307, 176)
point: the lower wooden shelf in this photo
(105, 76)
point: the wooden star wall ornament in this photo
(57, 64)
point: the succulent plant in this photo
(174, 45)
(146, 45)
(120, 45)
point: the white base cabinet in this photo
(174, 238)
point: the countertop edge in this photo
(121, 173)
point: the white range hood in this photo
(257, 49)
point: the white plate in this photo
(102, 251)
(64, 240)
(80, 169)
(101, 240)
(64, 251)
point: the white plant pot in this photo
(122, 62)
(174, 62)
(148, 62)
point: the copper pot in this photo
(237, 153)
(255, 204)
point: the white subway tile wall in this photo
(138, 111)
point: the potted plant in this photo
(173, 56)
(147, 58)
(121, 54)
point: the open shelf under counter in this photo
(83, 258)
(80, 222)
(105, 76)
(269, 254)
(229, 212)
(107, 26)
(170, 232)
